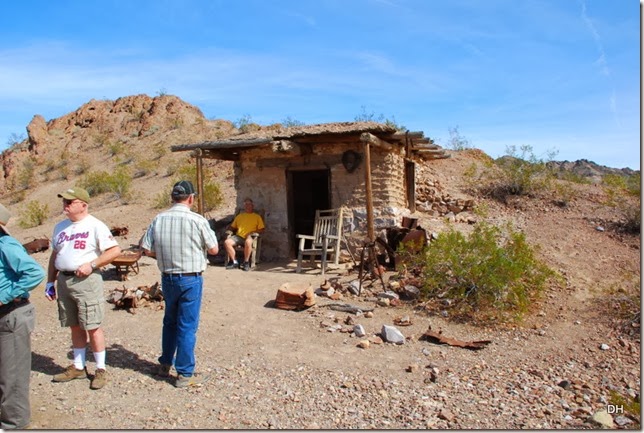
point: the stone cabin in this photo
(365, 168)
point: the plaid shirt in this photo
(180, 239)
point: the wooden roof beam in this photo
(368, 137)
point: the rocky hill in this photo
(103, 134)
(142, 126)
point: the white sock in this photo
(79, 358)
(235, 262)
(99, 357)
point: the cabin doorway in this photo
(308, 191)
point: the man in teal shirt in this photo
(19, 274)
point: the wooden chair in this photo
(325, 241)
(257, 243)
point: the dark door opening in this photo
(308, 191)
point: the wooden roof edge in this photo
(223, 144)
(400, 135)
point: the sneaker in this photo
(195, 380)
(232, 265)
(70, 373)
(99, 380)
(163, 370)
(246, 266)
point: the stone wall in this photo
(266, 184)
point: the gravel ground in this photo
(273, 368)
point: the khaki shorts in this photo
(81, 301)
(237, 240)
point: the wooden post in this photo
(367, 181)
(200, 197)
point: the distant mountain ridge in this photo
(585, 168)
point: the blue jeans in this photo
(182, 297)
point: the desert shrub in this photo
(245, 124)
(289, 122)
(116, 148)
(25, 176)
(64, 170)
(631, 406)
(162, 200)
(159, 150)
(119, 182)
(48, 167)
(364, 116)
(624, 194)
(143, 167)
(15, 139)
(490, 276)
(211, 192)
(101, 139)
(240, 123)
(82, 166)
(519, 172)
(457, 141)
(18, 196)
(564, 193)
(171, 168)
(622, 303)
(33, 214)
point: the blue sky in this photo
(557, 75)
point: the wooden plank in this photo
(368, 137)
(300, 161)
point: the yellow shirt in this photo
(247, 223)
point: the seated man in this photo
(244, 225)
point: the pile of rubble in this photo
(431, 198)
(130, 298)
(397, 292)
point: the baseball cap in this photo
(4, 218)
(183, 187)
(75, 193)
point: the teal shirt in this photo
(19, 272)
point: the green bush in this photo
(25, 177)
(211, 191)
(162, 199)
(371, 117)
(457, 141)
(116, 148)
(289, 122)
(624, 194)
(119, 182)
(33, 214)
(490, 276)
(519, 172)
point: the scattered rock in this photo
(391, 334)
(364, 344)
(359, 331)
(602, 418)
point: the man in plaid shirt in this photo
(180, 239)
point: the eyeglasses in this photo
(70, 202)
